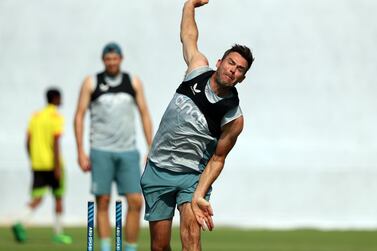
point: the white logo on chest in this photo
(103, 87)
(194, 90)
(190, 109)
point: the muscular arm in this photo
(143, 110)
(82, 106)
(202, 209)
(189, 36)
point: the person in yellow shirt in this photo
(43, 147)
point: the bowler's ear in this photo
(218, 63)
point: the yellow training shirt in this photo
(43, 126)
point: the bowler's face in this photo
(231, 70)
(112, 63)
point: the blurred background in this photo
(307, 156)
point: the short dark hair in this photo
(244, 51)
(51, 94)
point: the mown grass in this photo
(221, 239)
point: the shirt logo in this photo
(191, 109)
(194, 90)
(103, 87)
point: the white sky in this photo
(309, 99)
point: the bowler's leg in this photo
(160, 232)
(189, 228)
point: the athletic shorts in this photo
(43, 180)
(121, 167)
(164, 190)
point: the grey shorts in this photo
(164, 189)
(121, 167)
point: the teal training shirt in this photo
(181, 148)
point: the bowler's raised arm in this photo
(189, 36)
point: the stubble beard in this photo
(222, 84)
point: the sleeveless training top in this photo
(112, 115)
(188, 132)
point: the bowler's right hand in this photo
(203, 213)
(198, 3)
(84, 162)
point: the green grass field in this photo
(221, 239)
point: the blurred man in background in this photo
(43, 148)
(112, 97)
(198, 130)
